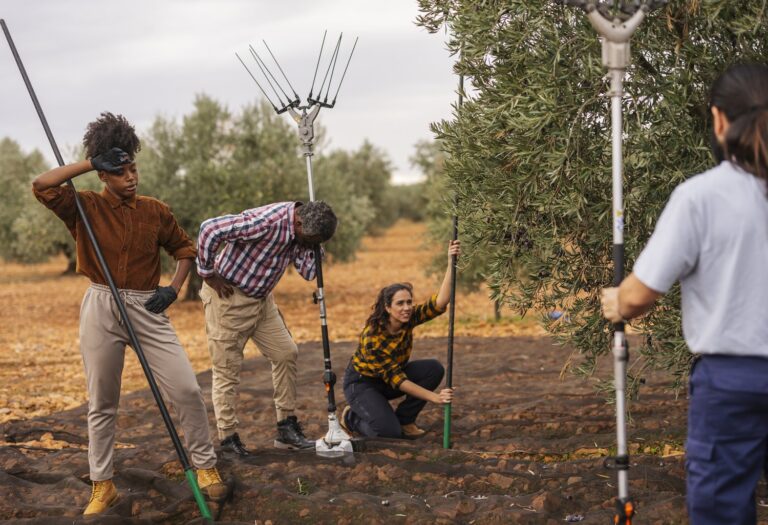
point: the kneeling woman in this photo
(381, 368)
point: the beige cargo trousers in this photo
(103, 338)
(229, 323)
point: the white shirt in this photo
(713, 238)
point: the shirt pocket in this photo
(146, 240)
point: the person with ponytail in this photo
(713, 237)
(381, 369)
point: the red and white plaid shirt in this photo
(259, 245)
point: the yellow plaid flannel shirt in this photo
(382, 355)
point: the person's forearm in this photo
(444, 293)
(635, 298)
(57, 176)
(412, 389)
(183, 267)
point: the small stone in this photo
(573, 480)
(304, 513)
(501, 481)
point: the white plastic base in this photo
(336, 442)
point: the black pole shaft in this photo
(329, 376)
(452, 304)
(97, 249)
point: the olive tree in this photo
(528, 154)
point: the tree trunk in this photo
(71, 259)
(193, 286)
(497, 310)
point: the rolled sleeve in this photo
(246, 226)
(392, 373)
(61, 201)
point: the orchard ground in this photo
(528, 441)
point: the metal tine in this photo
(267, 74)
(257, 82)
(330, 63)
(318, 64)
(295, 95)
(345, 72)
(333, 69)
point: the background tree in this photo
(529, 152)
(215, 162)
(28, 232)
(430, 158)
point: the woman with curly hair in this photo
(130, 229)
(381, 369)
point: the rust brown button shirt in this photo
(130, 234)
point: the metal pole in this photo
(121, 307)
(620, 347)
(615, 35)
(452, 311)
(335, 440)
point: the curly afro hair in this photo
(110, 131)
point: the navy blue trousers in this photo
(727, 439)
(371, 414)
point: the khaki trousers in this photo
(229, 323)
(103, 338)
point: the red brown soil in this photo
(528, 443)
(528, 448)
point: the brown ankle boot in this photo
(209, 481)
(103, 495)
(411, 431)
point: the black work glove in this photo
(111, 161)
(161, 299)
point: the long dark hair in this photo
(742, 94)
(379, 317)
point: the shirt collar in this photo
(115, 202)
(291, 215)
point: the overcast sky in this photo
(146, 58)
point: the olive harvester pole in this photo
(616, 21)
(336, 441)
(188, 470)
(452, 310)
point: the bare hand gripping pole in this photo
(336, 441)
(452, 311)
(616, 29)
(188, 470)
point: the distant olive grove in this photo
(215, 161)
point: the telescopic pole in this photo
(336, 440)
(452, 310)
(616, 54)
(188, 470)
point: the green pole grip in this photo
(447, 426)
(192, 479)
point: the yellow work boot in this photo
(210, 483)
(103, 495)
(411, 431)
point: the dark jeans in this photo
(726, 450)
(371, 414)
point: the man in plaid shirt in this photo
(254, 248)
